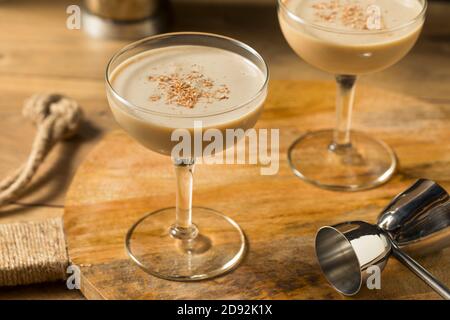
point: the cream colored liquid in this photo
(344, 47)
(155, 120)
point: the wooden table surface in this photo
(38, 54)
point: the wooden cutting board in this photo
(120, 181)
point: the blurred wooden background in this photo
(38, 53)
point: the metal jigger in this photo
(417, 220)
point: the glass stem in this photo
(183, 228)
(344, 105)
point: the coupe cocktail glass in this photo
(342, 159)
(186, 243)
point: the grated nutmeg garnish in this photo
(188, 89)
(349, 14)
(154, 98)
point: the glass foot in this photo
(218, 247)
(364, 164)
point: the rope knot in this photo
(59, 112)
(56, 117)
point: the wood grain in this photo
(38, 53)
(120, 181)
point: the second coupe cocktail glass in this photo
(347, 38)
(173, 81)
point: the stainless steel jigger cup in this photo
(345, 251)
(418, 219)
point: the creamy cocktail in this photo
(175, 86)
(347, 38)
(353, 45)
(169, 82)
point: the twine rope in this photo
(56, 117)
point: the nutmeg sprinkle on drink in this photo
(348, 13)
(188, 89)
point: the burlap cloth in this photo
(32, 252)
